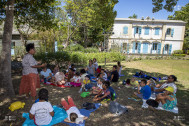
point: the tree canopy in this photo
(134, 16)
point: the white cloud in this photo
(177, 7)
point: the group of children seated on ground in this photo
(164, 92)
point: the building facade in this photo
(147, 36)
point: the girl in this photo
(59, 78)
(42, 111)
(167, 99)
(72, 111)
(119, 68)
(134, 82)
(97, 89)
(104, 74)
(76, 80)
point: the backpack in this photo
(116, 108)
(112, 93)
(152, 103)
(89, 106)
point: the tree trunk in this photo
(5, 68)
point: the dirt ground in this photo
(136, 116)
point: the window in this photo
(154, 46)
(147, 29)
(166, 47)
(125, 30)
(136, 46)
(168, 31)
(157, 31)
(137, 30)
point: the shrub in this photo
(74, 47)
(91, 50)
(178, 52)
(179, 55)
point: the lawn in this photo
(136, 115)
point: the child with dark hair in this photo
(76, 80)
(145, 91)
(70, 74)
(46, 74)
(97, 89)
(42, 111)
(114, 74)
(86, 84)
(105, 93)
(104, 74)
(98, 70)
(72, 111)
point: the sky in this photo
(143, 8)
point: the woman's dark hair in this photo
(115, 66)
(43, 94)
(106, 83)
(174, 77)
(29, 47)
(77, 73)
(119, 64)
(73, 117)
(82, 71)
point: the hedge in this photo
(179, 55)
(79, 57)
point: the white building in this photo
(147, 36)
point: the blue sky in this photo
(143, 8)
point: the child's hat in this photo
(171, 89)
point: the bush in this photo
(178, 52)
(74, 47)
(91, 50)
(179, 55)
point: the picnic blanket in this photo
(49, 83)
(85, 113)
(146, 76)
(59, 115)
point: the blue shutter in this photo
(159, 48)
(134, 47)
(140, 30)
(127, 48)
(170, 49)
(134, 30)
(125, 30)
(157, 31)
(139, 47)
(147, 31)
(172, 32)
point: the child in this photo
(56, 69)
(46, 74)
(119, 68)
(97, 89)
(105, 93)
(70, 74)
(145, 91)
(104, 74)
(76, 80)
(59, 78)
(72, 111)
(95, 63)
(42, 111)
(86, 84)
(114, 74)
(98, 70)
(167, 99)
(133, 82)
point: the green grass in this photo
(179, 68)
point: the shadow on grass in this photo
(102, 116)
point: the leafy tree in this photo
(134, 16)
(159, 5)
(183, 15)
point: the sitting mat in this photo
(85, 113)
(59, 115)
(62, 86)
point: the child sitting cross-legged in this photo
(46, 74)
(76, 80)
(42, 111)
(105, 93)
(59, 78)
(85, 84)
(97, 89)
(145, 91)
(73, 113)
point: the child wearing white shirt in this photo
(76, 80)
(42, 111)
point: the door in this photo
(124, 47)
(145, 48)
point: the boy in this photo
(114, 74)
(42, 111)
(46, 74)
(145, 91)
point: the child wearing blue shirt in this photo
(145, 91)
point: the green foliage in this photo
(78, 57)
(74, 47)
(160, 4)
(178, 52)
(179, 55)
(91, 50)
(134, 16)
